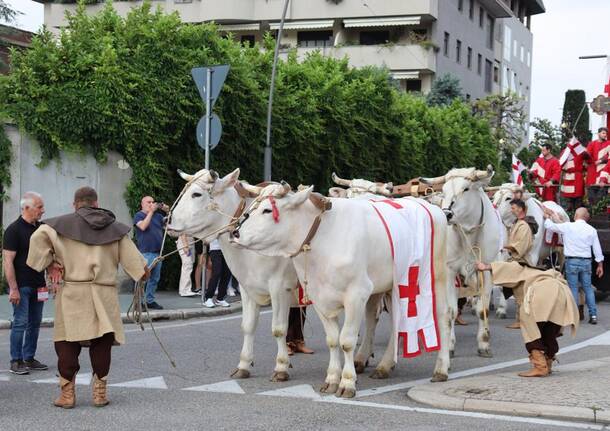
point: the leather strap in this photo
(325, 205)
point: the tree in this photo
(445, 90)
(576, 116)
(7, 13)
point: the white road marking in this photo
(489, 416)
(4, 378)
(228, 387)
(82, 378)
(298, 391)
(149, 383)
(599, 340)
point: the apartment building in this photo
(487, 44)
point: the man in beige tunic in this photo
(89, 244)
(546, 304)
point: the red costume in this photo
(573, 181)
(545, 170)
(598, 159)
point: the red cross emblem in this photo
(411, 291)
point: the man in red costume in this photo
(598, 159)
(545, 173)
(572, 160)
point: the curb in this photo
(435, 396)
(179, 314)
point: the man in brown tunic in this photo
(89, 244)
(546, 304)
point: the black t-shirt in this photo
(17, 239)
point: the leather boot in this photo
(300, 347)
(291, 348)
(514, 325)
(539, 365)
(67, 396)
(459, 321)
(549, 364)
(99, 391)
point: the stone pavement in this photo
(175, 307)
(577, 391)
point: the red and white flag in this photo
(518, 167)
(574, 148)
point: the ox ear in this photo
(337, 192)
(228, 180)
(298, 198)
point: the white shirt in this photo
(578, 238)
(214, 245)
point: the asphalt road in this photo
(152, 394)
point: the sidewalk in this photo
(576, 391)
(175, 307)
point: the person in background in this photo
(219, 280)
(572, 162)
(197, 272)
(23, 283)
(149, 223)
(579, 238)
(597, 152)
(546, 173)
(186, 252)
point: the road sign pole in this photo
(208, 115)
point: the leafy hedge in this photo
(124, 84)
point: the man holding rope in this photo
(89, 245)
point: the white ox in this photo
(348, 261)
(475, 232)
(206, 206)
(358, 187)
(541, 250)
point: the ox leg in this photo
(501, 309)
(280, 301)
(333, 373)
(445, 319)
(354, 312)
(452, 308)
(484, 349)
(387, 363)
(249, 321)
(366, 346)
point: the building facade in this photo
(11, 37)
(486, 44)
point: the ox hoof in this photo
(240, 374)
(329, 388)
(360, 367)
(280, 376)
(485, 353)
(439, 377)
(380, 373)
(345, 393)
(501, 314)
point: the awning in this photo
(400, 75)
(240, 27)
(319, 24)
(382, 22)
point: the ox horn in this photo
(385, 189)
(184, 175)
(480, 175)
(214, 175)
(432, 181)
(285, 188)
(492, 189)
(256, 190)
(341, 181)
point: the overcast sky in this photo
(567, 30)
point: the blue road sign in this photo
(215, 131)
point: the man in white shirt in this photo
(578, 239)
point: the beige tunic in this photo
(87, 305)
(520, 241)
(544, 296)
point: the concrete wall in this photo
(57, 181)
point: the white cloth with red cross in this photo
(408, 224)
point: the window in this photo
(460, 5)
(248, 40)
(471, 10)
(488, 75)
(496, 72)
(314, 39)
(458, 51)
(413, 85)
(514, 83)
(479, 64)
(374, 37)
(529, 59)
(515, 48)
(505, 80)
(469, 58)
(508, 37)
(446, 45)
(490, 32)
(481, 16)
(522, 54)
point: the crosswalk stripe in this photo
(83, 379)
(148, 383)
(298, 391)
(4, 378)
(228, 386)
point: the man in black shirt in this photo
(24, 283)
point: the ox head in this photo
(357, 187)
(501, 200)
(461, 191)
(277, 223)
(204, 203)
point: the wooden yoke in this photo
(416, 189)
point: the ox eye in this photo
(196, 195)
(466, 189)
(507, 199)
(267, 211)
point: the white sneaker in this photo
(209, 303)
(231, 291)
(223, 303)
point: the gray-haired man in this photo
(24, 284)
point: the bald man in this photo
(579, 238)
(149, 223)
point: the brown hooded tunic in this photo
(90, 245)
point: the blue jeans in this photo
(26, 325)
(579, 270)
(155, 275)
